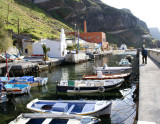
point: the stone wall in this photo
(76, 58)
(155, 54)
(40, 1)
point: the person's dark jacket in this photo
(144, 52)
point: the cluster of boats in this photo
(20, 85)
(70, 111)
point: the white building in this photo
(57, 48)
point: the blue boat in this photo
(17, 88)
(31, 80)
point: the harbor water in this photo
(123, 107)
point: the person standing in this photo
(144, 55)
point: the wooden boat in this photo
(3, 97)
(31, 80)
(100, 76)
(124, 62)
(41, 118)
(17, 88)
(112, 70)
(88, 86)
(76, 107)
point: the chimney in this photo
(85, 27)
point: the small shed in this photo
(123, 47)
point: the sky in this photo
(146, 10)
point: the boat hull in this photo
(74, 89)
(99, 108)
(112, 70)
(107, 76)
(17, 88)
(36, 118)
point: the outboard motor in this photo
(99, 74)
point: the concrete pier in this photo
(149, 92)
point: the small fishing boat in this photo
(88, 86)
(41, 118)
(17, 88)
(3, 97)
(76, 107)
(124, 62)
(31, 80)
(101, 76)
(112, 70)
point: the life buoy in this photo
(101, 89)
(77, 89)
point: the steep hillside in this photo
(5, 39)
(32, 20)
(120, 26)
(155, 33)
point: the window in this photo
(84, 37)
(97, 37)
(89, 38)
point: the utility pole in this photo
(75, 32)
(8, 15)
(78, 41)
(19, 46)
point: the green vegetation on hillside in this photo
(5, 40)
(32, 20)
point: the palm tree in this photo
(70, 48)
(45, 51)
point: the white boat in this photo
(41, 118)
(112, 70)
(3, 97)
(88, 86)
(76, 107)
(17, 88)
(124, 62)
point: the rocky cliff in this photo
(120, 25)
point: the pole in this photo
(8, 15)
(78, 41)
(7, 66)
(75, 32)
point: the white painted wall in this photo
(57, 48)
(76, 58)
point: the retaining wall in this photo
(155, 54)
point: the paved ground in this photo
(149, 92)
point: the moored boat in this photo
(112, 70)
(76, 107)
(124, 62)
(31, 80)
(41, 118)
(17, 88)
(100, 76)
(88, 86)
